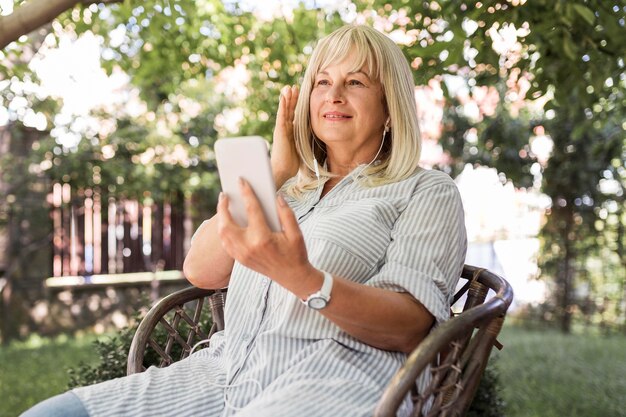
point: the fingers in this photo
(295, 93)
(288, 220)
(287, 103)
(225, 219)
(254, 211)
(282, 104)
(226, 225)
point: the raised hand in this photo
(281, 256)
(284, 159)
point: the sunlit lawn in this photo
(542, 373)
(549, 374)
(34, 370)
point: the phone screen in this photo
(247, 157)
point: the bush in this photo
(112, 352)
(488, 401)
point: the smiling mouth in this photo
(336, 117)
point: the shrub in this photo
(112, 364)
(488, 401)
(113, 353)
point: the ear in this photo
(388, 124)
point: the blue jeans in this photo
(62, 405)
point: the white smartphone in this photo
(247, 157)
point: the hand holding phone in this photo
(247, 157)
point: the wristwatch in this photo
(320, 299)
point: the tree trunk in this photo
(34, 14)
(5, 319)
(565, 304)
(621, 252)
(8, 329)
(566, 274)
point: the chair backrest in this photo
(455, 353)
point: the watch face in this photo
(317, 303)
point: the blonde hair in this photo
(386, 64)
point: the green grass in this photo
(549, 374)
(35, 370)
(542, 373)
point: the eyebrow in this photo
(350, 73)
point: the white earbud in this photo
(317, 169)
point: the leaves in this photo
(209, 68)
(585, 13)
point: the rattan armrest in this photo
(186, 307)
(457, 350)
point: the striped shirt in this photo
(277, 357)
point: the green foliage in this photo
(570, 50)
(158, 153)
(112, 354)
(25, 224)
(499, 141)
(548, 374)
(33, 370)
(169, 147)
(201, 40)
(165, 44)
(176, 54)
(113, 351)
(488, 400)
(574, 232)
(566, 46)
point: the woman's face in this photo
(347, 111)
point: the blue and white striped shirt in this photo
(279, 358)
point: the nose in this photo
(335, 94)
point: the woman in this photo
(321, 315)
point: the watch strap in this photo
(324, 292)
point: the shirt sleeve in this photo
(428, 246)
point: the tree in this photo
(570, 53)
(34, 14)
(179, 78)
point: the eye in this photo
(321, 82)
(355, 82)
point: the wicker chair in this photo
(455, 353)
